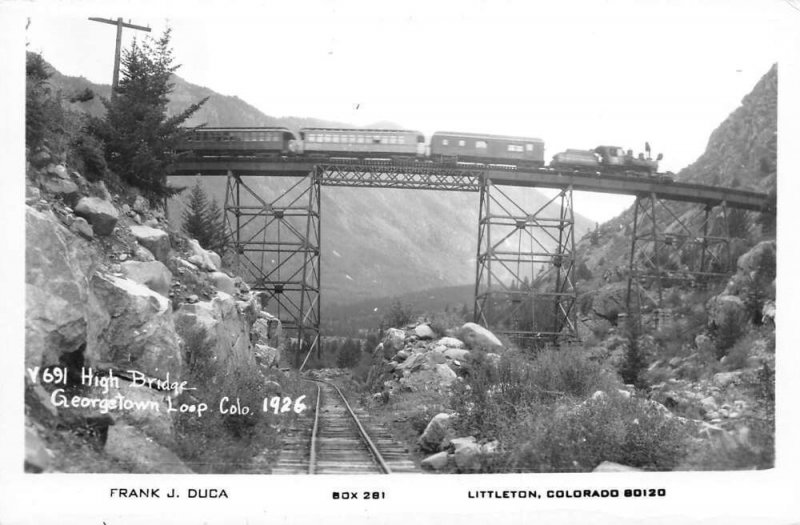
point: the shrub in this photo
(624, 430)
(399, 315)
(226, 442)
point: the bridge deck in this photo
(461, 177)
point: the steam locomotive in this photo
(464, 148)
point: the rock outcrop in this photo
(132, 326)
(57, 289)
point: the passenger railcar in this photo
(361, 143)
(487, 149)
(240, 141)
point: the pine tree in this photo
(216, 227)
(195, 216)
(140, 138)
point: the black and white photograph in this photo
(350, 261)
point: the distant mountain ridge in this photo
(376, 242)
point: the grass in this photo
(225, 443)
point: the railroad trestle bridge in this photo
(276, 243)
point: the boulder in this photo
(81, 226)
(445, 373)
(456, 353)
(476, 336)
(436, 358)
(67, 189)
(101, 214)
(153, 274)
(610, 466)
(57, 264)
(142, 454)
(438, 430)
(424, 331)
(394, 340)
(58, 170)
(201, 257)
(414, 362)
(155, 240)
(450, 342)
(437, 461)
(143, 254)
(132, 327)
(267, 356)
(467, 455)
(222, 282)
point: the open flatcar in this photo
(487, 149)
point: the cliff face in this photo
(742, 151)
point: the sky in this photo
(576, 74)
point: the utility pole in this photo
(120, 24)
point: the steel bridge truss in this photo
(276, 246)
(694, 250)
(412, 175)
(524, 285)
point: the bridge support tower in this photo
(524, 283)
(276, 248)
(693, 251)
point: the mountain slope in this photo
(741, 152)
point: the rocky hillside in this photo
(132, 332)
(376, 243)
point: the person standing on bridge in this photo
(647, 150)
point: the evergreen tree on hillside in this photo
(216, 225)
(195, 215)
(140, 138)
(203, 220)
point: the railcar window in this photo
(401, 139)
(360, 139)
(462, 143)
(481, 144)
(529, 147)
(336, 139)
(515, 148)
(327, 137)
(445, 142)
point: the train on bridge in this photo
(408, 145)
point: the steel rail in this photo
(312, 462)
(384, 467)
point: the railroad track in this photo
(336, 439)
